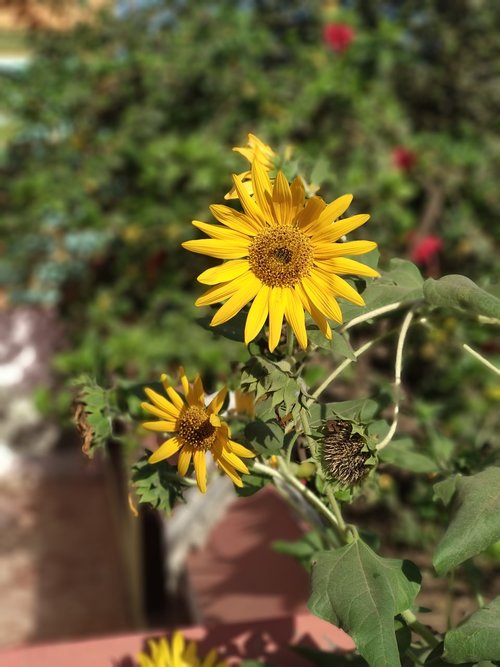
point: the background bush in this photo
(123, 131)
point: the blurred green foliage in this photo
(123, 131)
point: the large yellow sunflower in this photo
(197, 428)
(177, 654)
(283, 254)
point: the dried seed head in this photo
(343, 457)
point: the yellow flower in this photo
(256, 151)
(197, 428)
(283, 254)
(177, 655)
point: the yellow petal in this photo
(318, 292)
(217, 401)
(190, 654)
(282, 200)
(335, 209)
(224, 272)
(230, 472)
(200, 469)
(218, 232)
(234, 219)
(262, 188)
(215, 420)
(343, 289)
(294, 313)
(341, 228)
(249, 205)
(184, 381)
(160, 426)
(217, 248)
(224, 291)
(210, 659)
(239, 300)
(184, 460)
(198, 392)
(352, 248)
(240, 450)
(165, 450)
(161, 402)
(310, 213)
(177, 647)
(276, 313)
(317, 316)
(171, 393)
(234, 461)
(343, 265)
(298, 194)
(257, 315)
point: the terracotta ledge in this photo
(259, 640)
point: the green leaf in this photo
(361, 410)
(94, 414)
(158, 484)
(402, 454)
(475, 523)
(304, 548)
(338, 345)
(455, 291)
(477, 638)
(445, 490)
(362, 592)
(266, 438)
(402, 282)
(233, 330)
(251, 484)
(328, 658)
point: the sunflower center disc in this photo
(195, 428)
(280, 257)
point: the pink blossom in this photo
(426, 249)
(338, 36)
(403, 158)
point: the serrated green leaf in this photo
(362, 592)
(474, 525)
(477, 638)
(158, 484)
(402, 454)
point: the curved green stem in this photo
(420, 629)
(398, 369)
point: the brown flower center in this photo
(281, 256)
(194, 428)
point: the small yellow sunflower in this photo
(256, 151)
(177, 654)
(197, 428)
(283, 254)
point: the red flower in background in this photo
(403, 158)
(338, 36)
(426, 249)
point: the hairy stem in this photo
(420, 629)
